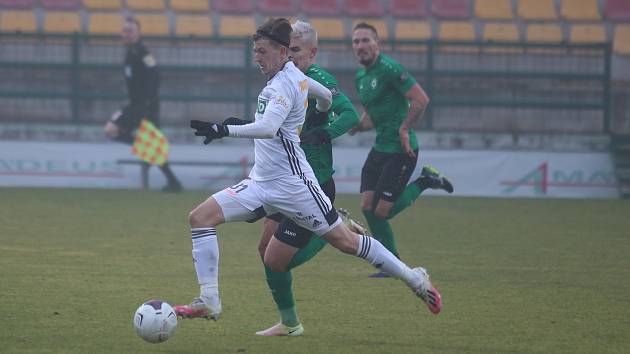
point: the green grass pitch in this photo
(516, 276)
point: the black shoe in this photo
(172, 187)
(431, 178)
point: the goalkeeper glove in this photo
(316, 118)
(317, 137)
(236, 121)
(210, 130)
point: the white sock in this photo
(374, 252)
(205, 253)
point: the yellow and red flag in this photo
(151, 145)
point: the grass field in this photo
(516, 276)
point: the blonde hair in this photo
(305, 31)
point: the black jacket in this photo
(141, 76)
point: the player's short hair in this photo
(365, 25)
(132, 19)
(305, 31)
(277, 30)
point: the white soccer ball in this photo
(155, 321)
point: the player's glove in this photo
(316, 137)
(210, 130)
(236, 121)
(316, 118)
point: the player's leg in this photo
(236, 203)
(279, 282)
(381, 229)
(395, 171)
(430, 178)
(311, 209)
(392, 183)
(370, 175)
(377, 255)
(282, 257)
(172, 183)
(290, 247)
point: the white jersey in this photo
(286, 94)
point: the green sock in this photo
(280, 282)
(382, 231)
(408, 196)
(280, 285)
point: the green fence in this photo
(483, 86)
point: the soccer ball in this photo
(155, 321)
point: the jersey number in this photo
(238, 187)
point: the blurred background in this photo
(528, 97)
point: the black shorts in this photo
(130, 116)
(387, 174)
(289, 232)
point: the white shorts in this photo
(301, 200)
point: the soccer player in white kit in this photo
(280, 181)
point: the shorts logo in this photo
(387, 194)
(290, 233)
(262, 105)
(316, 223)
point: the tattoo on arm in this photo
(416, 112)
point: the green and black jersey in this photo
(341, 117)
(382, 88)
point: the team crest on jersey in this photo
(374, 83)
(262, 105)
(149, 61)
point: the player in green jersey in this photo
(394, 102)
(283, 236)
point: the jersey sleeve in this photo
(400, 79)
(280, 102)
(321, 94)
(346, 116)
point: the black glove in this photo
(236, 121)
(316, 137)
(210, 130)
(316, 118)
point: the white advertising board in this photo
(474, 173)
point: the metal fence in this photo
(474, 86)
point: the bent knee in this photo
(197, 218)
(275, 265)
